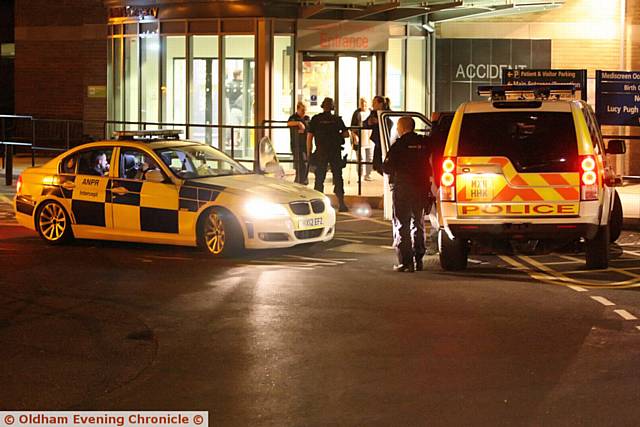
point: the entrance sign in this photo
(320, 35)
(548, 77)
(618, 98)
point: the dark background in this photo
(6, 64)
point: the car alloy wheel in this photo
(214, 235)
(52, 222)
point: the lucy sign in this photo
(331, 36)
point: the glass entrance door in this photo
(318, 82)
(343, 77)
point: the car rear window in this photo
(533, 141)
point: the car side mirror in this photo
(616, 146)
(154, 175)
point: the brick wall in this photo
(61, 48)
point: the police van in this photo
(152, 187)
(529, 163)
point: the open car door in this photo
(268, 160)
(387, 121)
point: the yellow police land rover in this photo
(529, 164)
(151, 187)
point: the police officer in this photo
(329, 132)
(407, 165)
(299, 123)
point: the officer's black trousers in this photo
(300, 162)
(335, 162)
(408, 225)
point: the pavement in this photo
(321, 335)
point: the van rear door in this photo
(518, 164)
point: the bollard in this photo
(8, 170)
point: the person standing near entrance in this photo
(410, 174)
(299, 124)
(379, 103)
(361, 141)
(329, 132)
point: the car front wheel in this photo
(219, 233)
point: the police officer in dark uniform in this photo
(299, 124)
(329, 132)
(409, 170)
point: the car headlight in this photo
(262, 209)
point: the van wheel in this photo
(615, 222)
(219, 233)
(453, 253)
(53, 223)
(597, 249)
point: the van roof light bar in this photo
(560, 91)
(128, 135)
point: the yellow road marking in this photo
(377, 221)
(537, 275)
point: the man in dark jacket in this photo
(329, 132)
(299, 122)
(410, 173)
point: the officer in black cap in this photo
(329, 132)
(409, 170)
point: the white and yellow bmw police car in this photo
(167, 191)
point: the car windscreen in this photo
(199, 161)
(533, 141)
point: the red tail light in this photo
(588, 178)
(19, 185)
(448, 180)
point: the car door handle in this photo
(68, 185)
(120, 191)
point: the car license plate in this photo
(307, 223)
(480, 188)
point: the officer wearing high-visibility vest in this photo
(329, 132)
(409, 170)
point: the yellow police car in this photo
(152, 187)
(529, 164)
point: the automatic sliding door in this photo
(318, 82)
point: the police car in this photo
(528, 164)
(152, 187)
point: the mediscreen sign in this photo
(464, 64)
(618, 98)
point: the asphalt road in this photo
(320, 335)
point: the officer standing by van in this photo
(329, 132)
(410, 174)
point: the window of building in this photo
(395, 75)
(7, 50)
(204, 90)
(150, 79)
(131, 86)
(238, 99)
(282, 101)
(416, 74)
(174, 80)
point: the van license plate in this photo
(480, 189)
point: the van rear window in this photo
(533, 141)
